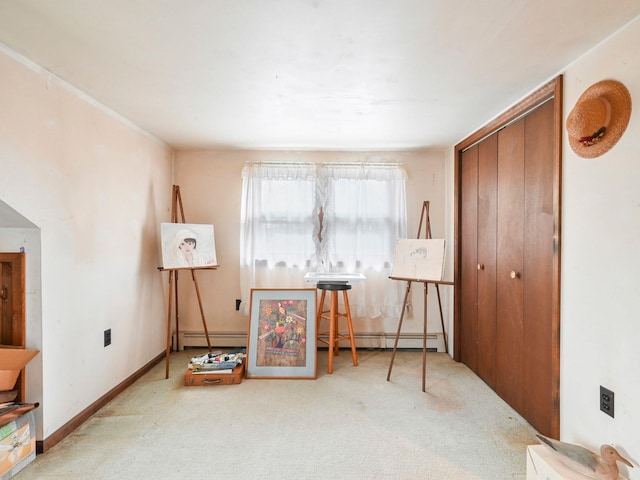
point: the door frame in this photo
(551, 90)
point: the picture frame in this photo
(281, 338)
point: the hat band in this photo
(593, 139)
(598, 134)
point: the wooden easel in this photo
(176, 203)
(424, 219)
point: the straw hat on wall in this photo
(599, 118)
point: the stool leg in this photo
(337, 337)
(319, 316)
(332, 325)
(354, 355)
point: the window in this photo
(305, 217)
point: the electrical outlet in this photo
(606, 401)
(107, 337)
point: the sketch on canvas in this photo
(419, 259)
(187, 245)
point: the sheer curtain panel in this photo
(332, 217)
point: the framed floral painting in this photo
(281, 339)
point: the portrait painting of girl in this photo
(187, 245)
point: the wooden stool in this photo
(334, 335)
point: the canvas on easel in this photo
(187, 245)
(419, 259)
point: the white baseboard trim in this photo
(380, 340)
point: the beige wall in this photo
(211, 186)
(600, 328)
(95, 189)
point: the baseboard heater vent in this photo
(363, 340)
(217, 339)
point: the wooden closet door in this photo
(541, 396)
(526, 342)
(510, 263)
(487, 224)
(469, 259)
(507, 273)
(478, 266)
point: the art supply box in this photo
(198, 379)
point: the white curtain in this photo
(364, 215)
(305, 217)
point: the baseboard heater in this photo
(363, 340)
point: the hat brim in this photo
(620, 100)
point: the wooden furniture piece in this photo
(176, 204)
(424, 333)
(12, 308)
(507, 269)
(334, 315)
(173, 292)
(202, 379)
(424, 220)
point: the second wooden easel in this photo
(176, 204)
(424, 219)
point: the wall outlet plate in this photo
(606, 401)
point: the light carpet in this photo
(352, 424)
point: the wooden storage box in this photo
(201, 379)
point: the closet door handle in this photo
(481, 266)
(4, 293)
(514, 274)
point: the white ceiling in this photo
(308, 74)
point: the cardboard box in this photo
(12, 361)
(17, 445)
(544, 465)
(201, 379)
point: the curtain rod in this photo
(340, 164)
